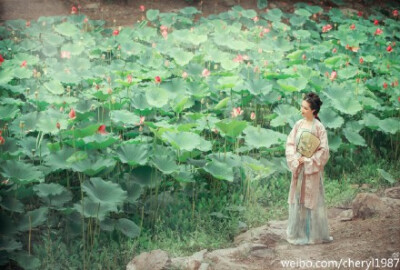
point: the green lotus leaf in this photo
(93, 167)
(219, 170)
(249, 13)
(390, 125)
(67, 76)
(6, 75)
(222, 103)
(232, 128)
(91, 209)
(261, 4)
(274, 15)
(25, 260)
(258, 86)
(297, 21)
(146, 176)
(67, 29)
(12, 204)
(99, 141)
(49, 50)
(165, 163)
(335, 61)
(334, 142)
(183, 175)
(32, 219)
(134, 190)
(286, 114)
(21, 172)
(371, 121)
(353, 137)
(343, 100)
(293, 84)
(303, 12)
(257, 137)
(128, 227)
(9, 245)
(348, 72)
(185, 36)
(124, 118)
(133, 153)
(22, 73)
(53, 39)
(8, 112)
(330, 118)
(387, 176)
(189, 11)
(301, 34)
(82, 132)
(187, 141)
(152, 14)
(44, 189)
(157, 97)
(181, 57)
(104, 192)
(77, 156)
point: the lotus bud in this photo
(113, 100)
(21, 124)
(36, 94)
(216, 66)
(202, 101)
(103, 56)
(58, 126)
(109, 91)
(141, 128)
(61, 109)
(92, 107)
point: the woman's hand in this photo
(301, 160)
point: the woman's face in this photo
(306, 111)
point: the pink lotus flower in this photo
(353, 26)
(157, 79)
(359, 14)
(141, 121)
(361, 60)
(205, 73)
(236, 112)
(396, 83)
(304, 57)
(2, 140)
(109, 91)
(326, 28)
(58, 125)
(1, 59)
(240, 58)
(142, 8)
(398, 98)
(253, 116)
(389, 48)
(395, 13)
(129, 78)
(102, 129)
(255, 19)
(74, 10)
(85, 20)
(28, 23)
(333, 75)
(24, 64)
(334, 50)
(164, 33)
(65, 54)
(378, 31)
(184, 75)
(163, 28)
(72, 114)
(61, 109)
(115, 32)
(376, 22)
(385, 85)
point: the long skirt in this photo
(307, 226)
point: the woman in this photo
(307, 223)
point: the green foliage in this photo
(121, 141)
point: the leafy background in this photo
(172, 154)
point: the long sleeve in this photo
(318, 160)
(292, 155)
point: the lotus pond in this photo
(100, 126)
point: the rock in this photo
(154, 260)
(393, 193)
(368, 204)
(346, 215)
(204, 266)
(242, 226)
(193, 262)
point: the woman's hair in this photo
(315, 103)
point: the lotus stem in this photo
(30, 235)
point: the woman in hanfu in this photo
(307, 222)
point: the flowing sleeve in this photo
(317, 162)
(292, 155)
